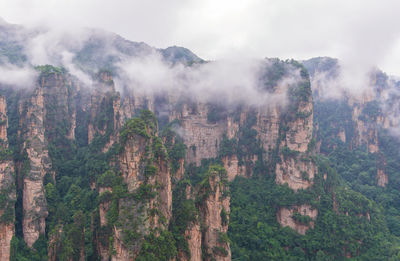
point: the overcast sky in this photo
(361, 32)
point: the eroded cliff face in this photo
(6, 233)
(7, 186)
(60, 100)
(103, 107)
(146, 205)
(279, 136)
(298, 173)
(136, 192)
(205, 139)
(295, 166)
(131, 162)
(35, 166)
(365, 127)
(201, 136)
(231, 164)
(267, 127)
(214, 215)
(300, 130)
(193, 237)
(47, 114)
(291, 217)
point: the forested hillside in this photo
(101, 161)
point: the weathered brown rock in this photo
(231, 164)
(201, 137)
(267, 127)
(104, 104)
(7, 187)
(300, 130)
(181, 170)
(284, 217)
(104, 206)
(165, 192)
(3, 120)
(132, 163)
(33, 113)
(121, 252)
(214, 227)
(297, 173)
(365, 133)
(59, 100)
(382, 177)
(193, 237)
(297, 169)
(6, 234)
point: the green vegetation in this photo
(5, 154)
(161, 247)
(286, 152)
(12, 51)
(21, 252)
(47, 69)
(274, 71)
(255, 233)
(7, 199)
(356, 195)
(355, 217)
(128, 209)
(303, 219)
(228, 147)
(185, 209)
(248, 144)
(184, 213)
(144, 125)
(333, 117)
(176, 149)
(71, 203)
(370, 111)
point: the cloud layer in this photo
(19, 77)
(360, 33)
(228, 81)
(144, 70)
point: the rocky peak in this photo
(214, 214)
(37, 165)
(178, 54)
(7, 186)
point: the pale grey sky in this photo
(360, 32)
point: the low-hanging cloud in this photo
(389, 101)
(19, 77)
(335, 79)
(143, 70)
(363, 32)
(229, 81)
(67, 63)
(378, 88)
